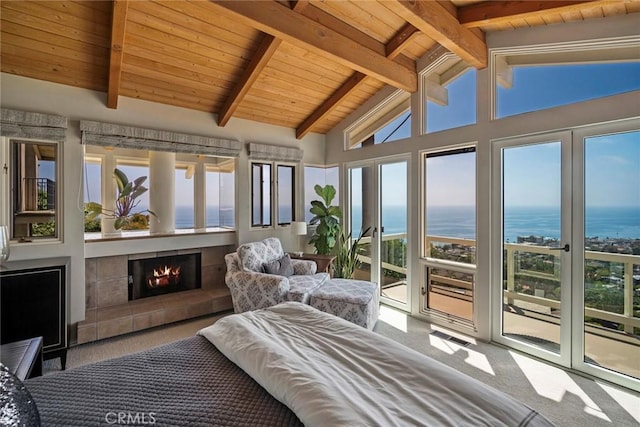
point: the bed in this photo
(285, 365)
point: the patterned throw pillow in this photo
(281, 267)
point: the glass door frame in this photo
(376, 239)
(578, 339)
(497, 259)
(572, 326)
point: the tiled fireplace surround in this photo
(109, 313)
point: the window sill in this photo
(145, 234)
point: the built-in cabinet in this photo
(32, 304)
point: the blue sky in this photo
(612, 162)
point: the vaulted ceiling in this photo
(301, 64)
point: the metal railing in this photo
(39, 194)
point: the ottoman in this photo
(354, 300)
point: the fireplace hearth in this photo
(162, 275)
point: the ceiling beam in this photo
(292, 27)
(435, 21)
(118, 25)
(490, 12)
(393, 49)
(267, 47)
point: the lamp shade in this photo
(299, 228)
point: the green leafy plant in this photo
(327, 217)
(126, 201)
(347, 251)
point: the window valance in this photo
(25, 124)
(274, 152)
(114, 135)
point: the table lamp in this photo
(299, 228)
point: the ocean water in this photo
(216, 216)
(460, 221)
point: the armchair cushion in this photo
(281, 266)
(253, 256)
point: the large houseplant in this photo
(126, 201)
(327, 218)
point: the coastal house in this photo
(438, 122)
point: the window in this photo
(134, 170)
(456, 108)
(526, 81)
(450, 232)
(450, 222)
(185, 209)
(260, 194)
(318, 176)
(539, 87)
(286, 194)
(220, 195)
(189, 191)
(449, 94)
(389, 121)
(92, 190)
(34, 190)
(268, 191)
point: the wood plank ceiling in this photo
(301, 64)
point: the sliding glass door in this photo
(566, 257)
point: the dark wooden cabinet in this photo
(32, 304)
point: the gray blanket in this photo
(186, 383)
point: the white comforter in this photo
(333, 373)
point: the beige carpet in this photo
(567, 399)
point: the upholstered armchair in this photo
(260, 275)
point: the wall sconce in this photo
(299, 228)
(4, 243)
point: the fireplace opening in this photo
(157, 276)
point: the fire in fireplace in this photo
(156, 276)
(164, 276)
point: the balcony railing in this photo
(462, 290)
(39, 194)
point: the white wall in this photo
(80, 104)
(482, 133)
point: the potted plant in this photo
(347, 251)
(126, 201)
(327, 218)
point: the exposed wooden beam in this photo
(393, 49)
(118, 26)
(400, 41)
(497, 12)
(435, 21)
(259, 60)
(272, 18)
(330, 103)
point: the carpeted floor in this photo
(567, 399)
